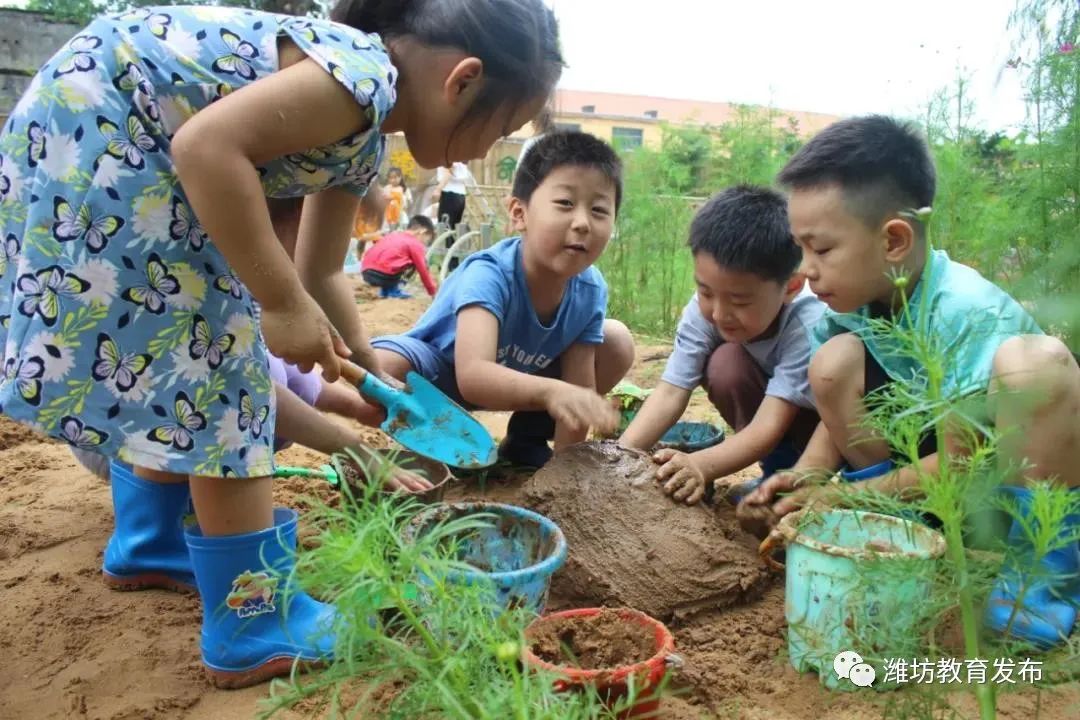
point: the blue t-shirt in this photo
(494, 279)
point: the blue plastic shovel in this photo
(423, 419)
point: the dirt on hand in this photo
(630, 545)
(597, 642)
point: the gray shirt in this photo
(784, 357)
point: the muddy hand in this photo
(300, 334)
(758, 520)
(580, 408)
(774, 485)
(682, 478)
(755, 513)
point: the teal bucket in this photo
(690, 437)
(854, 581)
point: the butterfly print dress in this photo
(125, 331)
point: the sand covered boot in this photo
(1049, 610)
(526, 441)
(147, 548)
(255, 626)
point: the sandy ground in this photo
(72, 648)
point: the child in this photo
(745, 337)
(398, 199)
(452, 191)
(138, 245)
(369, 219)
(385, 265)
(855, 193)
(521, 326)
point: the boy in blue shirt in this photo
(520, 326)
(745, 337)
(857, 192)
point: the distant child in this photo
(452, 190)
(395, 255)
(398, 199)
(857, 194)
(133, 267)
(521, 326)
(368, 221)
(745, 337)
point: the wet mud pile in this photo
(631, 545)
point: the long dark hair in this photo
(517, 40)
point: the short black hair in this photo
(566, 147)
(745, 228)
(882, 165)
(517, 41)
(421, 222)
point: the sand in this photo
(597, 642)
(74, 649)
(629, 545)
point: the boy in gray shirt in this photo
(745, 337)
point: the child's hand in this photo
(680, 475)
(579, 408)
(766, 492)
(404, 481)
(301, 334)
(756, 513)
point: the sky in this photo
(834, 56)
(840, 57)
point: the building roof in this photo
(640, 107)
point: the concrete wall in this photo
(27, 40)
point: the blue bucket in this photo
(854, 582)
(691, 436)
(517, 553)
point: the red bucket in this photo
(611, 683)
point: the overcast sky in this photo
(833, 56)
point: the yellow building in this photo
(629, 121)
(626, 121)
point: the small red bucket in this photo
(611, 683)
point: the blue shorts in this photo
(427, 361)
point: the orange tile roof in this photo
(571, 102)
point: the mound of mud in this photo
(631, 545)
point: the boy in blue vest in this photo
(858, 193)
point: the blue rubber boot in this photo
(867, 473)
(1048, 614)
(255, 626)
(147, 548)
(397, 293)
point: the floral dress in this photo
(124, 330)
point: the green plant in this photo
(409, 644)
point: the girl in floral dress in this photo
(136, 244)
